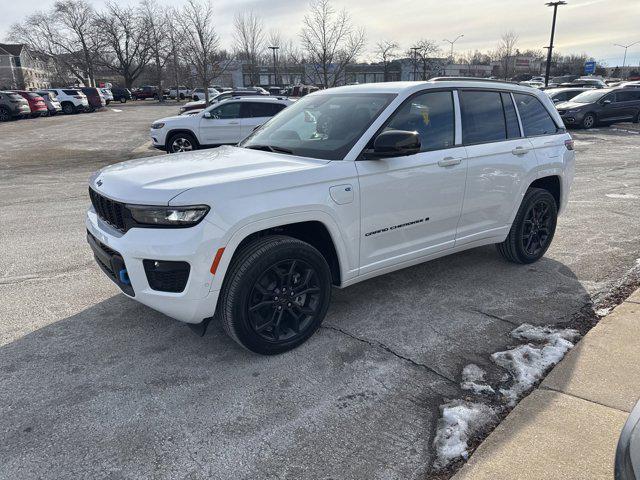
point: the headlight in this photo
(168, 216)
(574, 110)
(155, 126)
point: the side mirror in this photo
(207, 115)
(396, 143)
(606, 102)
(556, 100)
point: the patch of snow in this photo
(528, 363)
(624, 196)
(116, 110)
(603, 312)
(473, 379)
(459, 423)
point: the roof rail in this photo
(470, 79)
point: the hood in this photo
(195, 103)
(169, 119)
(569, 105)
(156, 180)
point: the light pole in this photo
(452, 42)
(553, 31)
(624, 59)
(275, 71)
(415, 61)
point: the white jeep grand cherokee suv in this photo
(346, 184)
(223, 123)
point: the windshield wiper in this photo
(271, 148)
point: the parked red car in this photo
(36, 102)
(94, 97)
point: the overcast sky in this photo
(584, 26)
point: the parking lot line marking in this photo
(115, 110)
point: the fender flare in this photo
(242, 231)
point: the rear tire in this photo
(5, 115)
(589, 121)
(181, 142)
(68, 108)
(533, 228)
(275, 294)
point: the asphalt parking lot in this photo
(94, 385)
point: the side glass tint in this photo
(483, 118)
(513, 129)
(536, 120)
(431, 115)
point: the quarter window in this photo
(431, 115)
(535, 118)
(483, 119)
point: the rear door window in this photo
(628, 96)
(483, 118)
(70, 92)
(535, 118)
(261, 109)
(430, 114)
(510, 116)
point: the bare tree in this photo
(505, 51)
(156, 26)
(174, 37)
(249, 40)
(386, 51)
(126, 49)
(66, 32)
(424, 53)
(200, 41)
(330, 40)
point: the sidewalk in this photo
(568, 428)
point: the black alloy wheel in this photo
(276, 293)
(284, 301)
(533, 228)
(537, 228)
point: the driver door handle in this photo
(449, 161)
(520, 150)
(234, 123)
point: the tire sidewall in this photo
(530, 199)
(242, 285)
(186, 136)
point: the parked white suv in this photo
(346, 184)
(72, 100)
(223, 123)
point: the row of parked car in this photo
(51, 101)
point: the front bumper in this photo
(158, 137)
(126, 252)
(572, 118)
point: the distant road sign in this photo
(589, 68)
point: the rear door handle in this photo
(520, 150)
(234, 123)
(449, 161)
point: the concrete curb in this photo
(568, 428)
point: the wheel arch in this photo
(552, 184)
(319, 230)
(175, 131)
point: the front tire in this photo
(589, 121)
(275, 294)
(533, 228)
(5, 115)
(181, 142)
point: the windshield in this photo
(590, 96)
(320, 126)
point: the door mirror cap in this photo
(207, 115)
(606, 102)
(396, 143)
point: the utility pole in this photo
(624, 59)
(415, 61)
(553, 31)
(275, 70)
(452, 42)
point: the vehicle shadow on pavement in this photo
(119, 389)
